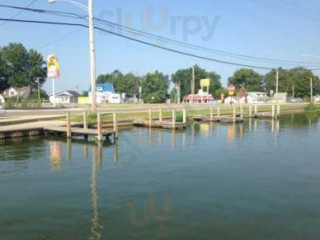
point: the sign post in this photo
(53, 73)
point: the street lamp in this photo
(92, 46)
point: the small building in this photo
(22, 92)
(280, 98)
(2, 100)
(105, 94)
(65, 97)
(258, 97)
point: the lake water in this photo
(255, 181)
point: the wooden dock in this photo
(161, 122)
(234, 118)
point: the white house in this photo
(17, 92)
(65, 97)
(2, 101)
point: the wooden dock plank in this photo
(79, 131)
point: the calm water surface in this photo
(259, 180)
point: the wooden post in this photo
(278, 110)
(99, 127)
(218, 112)
(211, 114)
(85, 120)
(255, 110)
(160, 114)
(68, 123)
(184, 116)
(250, 111)
(241, 111)
(115, 125)
(234, 114)
(273, 112)
(173, 118)
(150, 117)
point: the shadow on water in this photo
(129, 199)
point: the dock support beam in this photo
(241, 111)
(115, 126)
(211, 114)
(173, 118)
(234, 114)
(250, 110)
(85, 120)
(218, 113)
(184, 116)
(278, 110)
(99, 127)
(68, 123)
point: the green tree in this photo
(298, 77)
(123, 83)
(155, 87)
(247, 79)
(19, 67)
(184, 77)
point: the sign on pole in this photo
(231, 89)
(53, 73)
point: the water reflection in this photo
(55, 156)
(151, 215)
(96, 165)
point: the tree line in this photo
(155, 85)
(20, 67)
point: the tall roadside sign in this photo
(53, 73)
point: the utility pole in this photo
(311, 90)
(92, 57)
(277, 84)
(193, 81)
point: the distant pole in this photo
(38, 88)
(293, 93)
(193, 82)
(53, 92)
(311, 90)
(277, 84)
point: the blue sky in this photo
(278, 29)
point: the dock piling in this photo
(184, 115)
(150, 117)
(160, 114)
(115, 125)
(218, 112)
(85, 120)
(211, 114)
(256, 110)
(173, 118)
(234, 114)
(278, 110)
(250, 110)
(99, 127)
(68, 123)
(273, 112)
(241, 111)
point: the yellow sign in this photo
(53, 67)
(231, 93)
(205, 83)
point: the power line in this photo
(142, 42)
(19, 13)
(168, 40)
